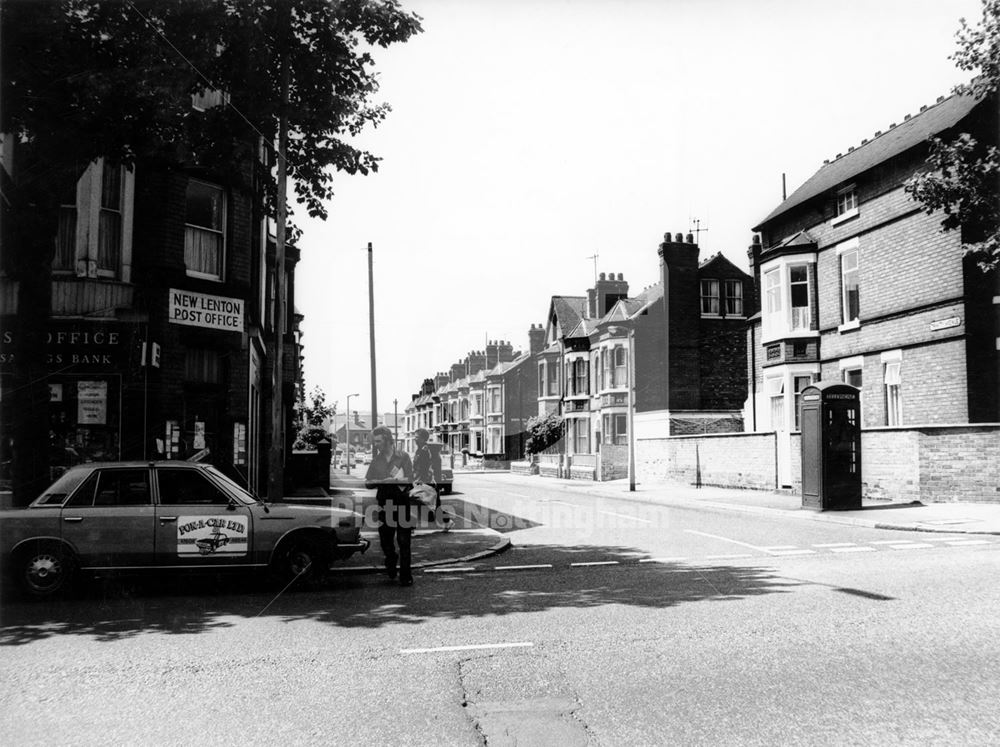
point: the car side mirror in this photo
(232, 505)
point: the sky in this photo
(529, 135)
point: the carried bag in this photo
(423, 494)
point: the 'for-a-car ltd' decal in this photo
(212, 535)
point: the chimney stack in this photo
(536, 339)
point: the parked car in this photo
(166, 516)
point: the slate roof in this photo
(569, 310)
(910, 133)
(584, 328)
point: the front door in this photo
(196, 522)
(110, 518)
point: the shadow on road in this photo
(118, 609)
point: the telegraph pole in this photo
(276, 462)
(371, 332)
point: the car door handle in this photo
(73, 518)
(165, 519)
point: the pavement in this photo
(435, 545)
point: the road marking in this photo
(966, 543)
(793, 552)
(911, 546)
(888, 542)
(780, 547)
(451, 569)
(476, 647)
(852, 549)
(662, 560)
(521, 567)
(836, 544)
(625, 516)
(727, 557)
(597, 562)
(564, 503)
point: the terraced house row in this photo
(851, 280)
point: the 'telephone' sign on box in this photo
(201, 310)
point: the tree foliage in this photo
(543, 431)
(310, 418)
(114, 79)
(963, 176)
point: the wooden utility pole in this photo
(276, 462)
(371, 332)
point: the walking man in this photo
(391, 474)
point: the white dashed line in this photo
(852, 549)
(727, 557)
(625, 516)
(596, 562)
(780, 547)
(836, 544)
(966, 543)
(521, 567)
(478, 647)
(791, 552)
(451, 569)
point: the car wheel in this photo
(45, 570)
(301, 558)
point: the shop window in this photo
(187, 487)
(204, 234)
(203, 366)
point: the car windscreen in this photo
(57, 492)
(232, 486)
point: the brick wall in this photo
(744, 460)
(958, 463)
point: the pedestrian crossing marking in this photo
(911, 546)
(852, 549)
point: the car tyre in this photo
(301, 558)
(44, 570)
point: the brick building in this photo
(857, 283)
(685, 348)
(160, 333)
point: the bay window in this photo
(787, 297)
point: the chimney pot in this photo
(679, 238)
(602, 276)
(621, 276)
(690, 238)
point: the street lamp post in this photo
(347, 435)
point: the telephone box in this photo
(830, 417)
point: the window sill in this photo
(203, 276)
(849, 326)
(844, 217)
